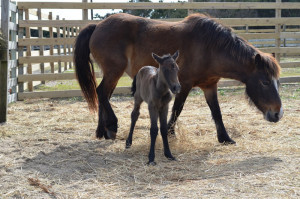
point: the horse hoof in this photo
(228, 142)
(111, 135)
(128, 145)
(151, 163)
(172, 158)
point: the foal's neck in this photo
(161, 83)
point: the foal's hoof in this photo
(151, 163)
(128, 144)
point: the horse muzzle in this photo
(273, 116)
(176, 89)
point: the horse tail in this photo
(84, 68)
(133, 87)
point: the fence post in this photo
(58, 46)
(277, 30)
(20, 51)
(4, 59)
(65, 47)
(190, 11)
(50, 17)
(85, 12)
(41, 53)
(28, 52)
(69, 46)
(13, 58)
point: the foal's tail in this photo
(84, 67)
(133, 87)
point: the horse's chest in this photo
(164, 100)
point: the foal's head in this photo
(169, 68)
(262, 87)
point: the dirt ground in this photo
(48, 150)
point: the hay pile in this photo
(49, 151)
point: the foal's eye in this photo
(173, 66)
(266, 83)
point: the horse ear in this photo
(176, 54)
(157, 58)
(257, 60)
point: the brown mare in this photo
(154, 85)
(209, 51)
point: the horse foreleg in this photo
(212, 101)
(153, 133)
(163, 114)
(178, 106)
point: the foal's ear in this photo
(176, 54)
(157, 58)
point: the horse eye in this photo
(266, 83)
(173, 66)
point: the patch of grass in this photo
(73, 84)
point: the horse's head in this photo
(262, 87)
(169, 68)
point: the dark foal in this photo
(153, 86)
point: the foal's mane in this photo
(218, 37)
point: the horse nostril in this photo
(276, 115)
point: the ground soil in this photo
(48, 150)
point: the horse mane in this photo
(218, 37)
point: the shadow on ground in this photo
(86, 160)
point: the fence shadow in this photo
(85, 160)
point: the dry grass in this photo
(52, 142)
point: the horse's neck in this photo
(234, 69)
(161, 84)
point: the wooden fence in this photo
(54, 54)
(8, 56)
(279, 35)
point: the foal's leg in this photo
(163, 114)
(134, 117)
(212, 101)
(178, 106)
(153, 132)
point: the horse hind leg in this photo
(108, 122)
(134, 117)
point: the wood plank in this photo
(12, 45)
(227, 21)
(50, 77)
(12, 7)
(126, 90)
(295, 79)
(12, 98)
(35, 13)
(44, 59)
(287, 50)
(150, 5)
(12, 26)
(46, 41)
(4, 57)
(259, 35)
(290, 64)
(12, 82)
(12, 64)
(295, 35)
